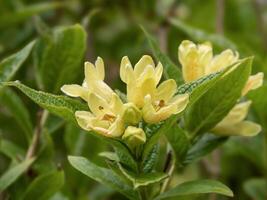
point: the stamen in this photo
(100, 108)
(109, 117)
(160, 104)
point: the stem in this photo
(220, 16)
(260, 21)
(169, 168)
(41, 118)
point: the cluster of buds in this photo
(150, 101)
(147, 100)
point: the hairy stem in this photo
(41, 118)
(169, 169)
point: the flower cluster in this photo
(198, 61)
(148, 100)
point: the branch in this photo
(41, 118)
(220, 16)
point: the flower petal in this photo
(150, 115)
(194, 59)
(74, 90)
(90, 73)
(116, 104)
(158, 72)
(98, 105)
(180, 101)
(244, 128)
(237, 114)
(166, 90)
(102, 89)
(100, 69)
(84, 119)
(117, 128)
(136, 93)
(126, 70)
(254, 82)
(142, 64)
(221, 61)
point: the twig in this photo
(260, 21)
(169, 168)
(220, 16)
(41, 118)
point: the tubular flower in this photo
(108, 114)
(157, 103)
(93, 82)
(104, 118)
(234, 123)
(198, 61)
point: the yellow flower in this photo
(141, 80)
(93, 82)
(234, 123)
(106, 107)
(157, 103)
(198, 61)
(105, 118)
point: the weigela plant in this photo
(159, 124)
(150, 104)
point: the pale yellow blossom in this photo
(157, 103)
(235, 124)
(104, 118)
(93, 82)
(198, 61)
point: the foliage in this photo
(45, 154)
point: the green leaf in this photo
(151, 159)
(58, 58)
(45, 186)
(10, 65)
(214, 104)
(179, 141)
(102, 175)
(197, 187)
(123, 153)
(12, 101)
(62, 106)
(11, 150)
(203, 146)
(143, 179)
(154, 138)
(171, 71)
(110, 156)
(259, 99)
(256, 188)
(10, 19)
(190, 87)
(202, 36)
(11, 175)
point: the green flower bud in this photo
(131, 115)
(134, 136)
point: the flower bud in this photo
(134, 136)
(131, 115)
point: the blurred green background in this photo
(113, 31)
